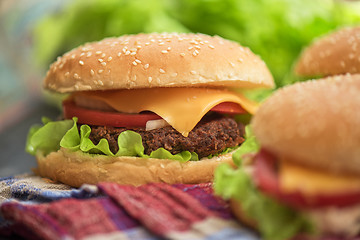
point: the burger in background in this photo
(304, 180)
(333, 54)
(147, 108)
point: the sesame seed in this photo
(119, 54)
(146, 66)
(133, 53)
(92, 72)
(103, 63)
(232, 64)
(82, 54)
(240, 60)
(193, 72)
(182, 54)
(134, 63)
(174, 74)
(98, 52)
(197, 46)
(100, 71)
(137, 60)
(100, 60)
(67, 74)
(161, 43)
(211, 46)
(190, 48)
(88, 54)
(73, 56)
(76, 76)
(162, 70)
(152, 40)
(101, 82)
(196, 52)
(109, 59)
(147, 43)
(164, 51)
(103, 55)
(169, 48)
(127, 52)
(138, 47)
(150, 79)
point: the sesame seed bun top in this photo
(335, 53)
(157, 60)
(314, 123)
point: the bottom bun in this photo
(77, 168)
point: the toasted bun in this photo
(314, 123)
(335, 53)
(77, 168)
(157, 60)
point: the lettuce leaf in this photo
(250, 145)
(275, 221)
(53, 135)
(47, 138)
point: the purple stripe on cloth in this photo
(118, 216)
(203, 192)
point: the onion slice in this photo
(155, 124)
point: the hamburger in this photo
(147, 108)
(333, 54)
(304, 180)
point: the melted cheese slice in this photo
(313, 182)
(182, 108)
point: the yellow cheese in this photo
(313, 182)
(182, 108)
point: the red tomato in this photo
(101, 118)
(267, 180)
(229, 108)
(117, 119)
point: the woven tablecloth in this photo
(36, 208)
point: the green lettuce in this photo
(47, 138)
(275, 221)
(250, 145)
(53, 135)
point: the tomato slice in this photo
(267, 180)
(117, 119)
(228, 108)
(101, 118)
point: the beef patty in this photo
(210, 136)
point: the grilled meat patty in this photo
(210, 136)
